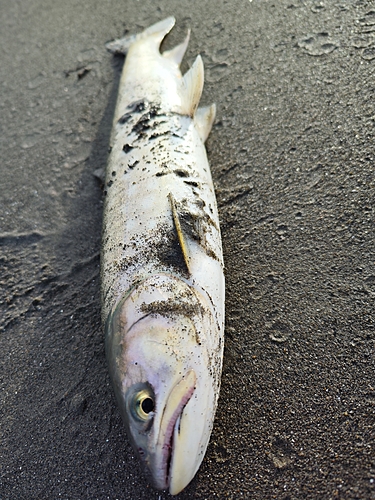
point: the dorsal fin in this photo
(177, 53)
(204, 119)
(158, 31)
(191, 87)
(180, 234)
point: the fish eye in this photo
(143, 405)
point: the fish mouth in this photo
(168, 445)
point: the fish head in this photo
(166, 375)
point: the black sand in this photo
(292, 156)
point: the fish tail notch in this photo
(204, 119)
(157, 31)
(177, 53)
(192, 87)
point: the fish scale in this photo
(161, 264)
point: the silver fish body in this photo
(161, 265)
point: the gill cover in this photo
(165, 373)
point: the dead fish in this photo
(161, 265)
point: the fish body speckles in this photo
(162, 268)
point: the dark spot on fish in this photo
(134, 107)
(181, 173)
(127, 148)
(212, 254)
(113, 173)
(169, 252)
(142, 124)
(125, 118)
(154, 111)
(138, 106)
(191, 225)
(159, 174)
(192, 183)
(154, 136)
(200, 204)
(109, 183)
(145, 122)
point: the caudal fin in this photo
(177, 53)
(157, 31)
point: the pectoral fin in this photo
(180, 234)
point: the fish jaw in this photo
(190, 440)
(171, 446)
(181, 437)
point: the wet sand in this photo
(292, 157)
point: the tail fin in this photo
(157, 31)
(177, 53)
